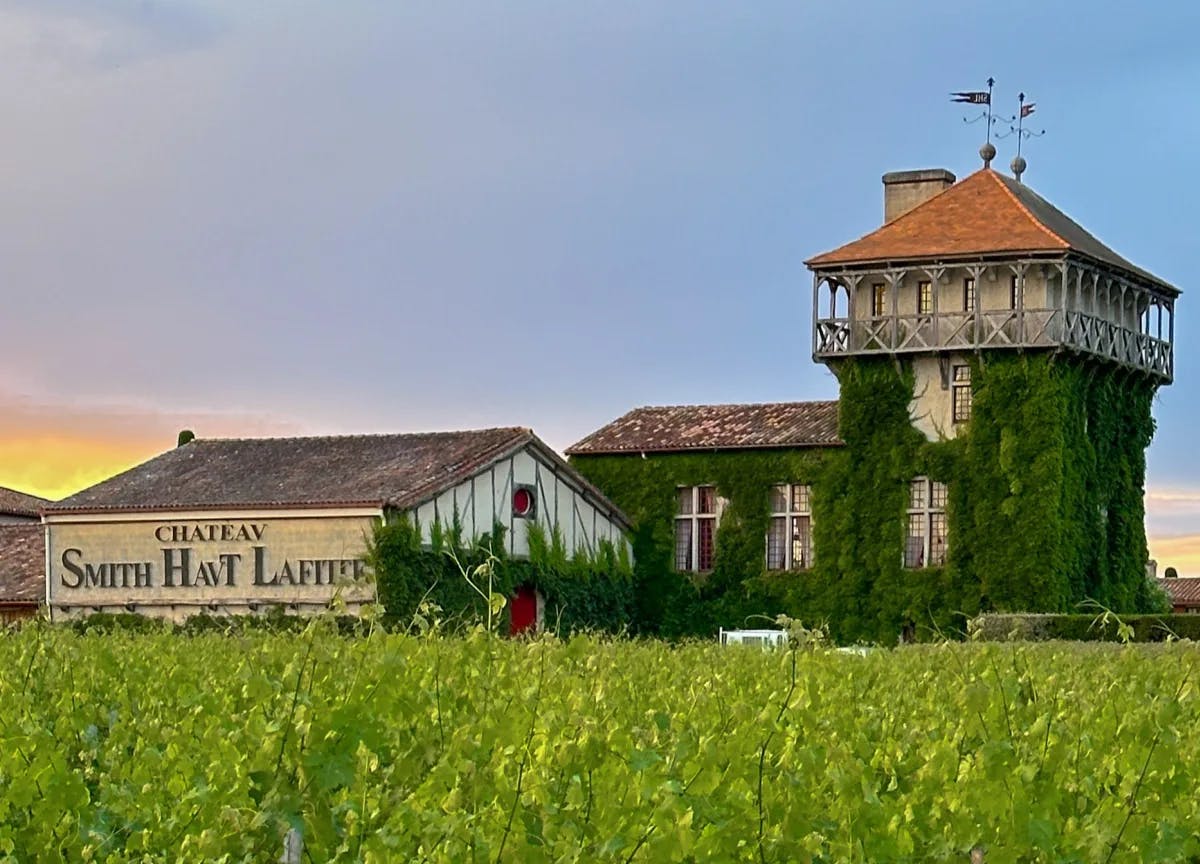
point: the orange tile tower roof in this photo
(986, 213)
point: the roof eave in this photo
(818, 265)
(432, 490)
(703, 448)
(88, 510)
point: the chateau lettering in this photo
(187, 566)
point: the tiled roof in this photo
(1182, 591)
(22, 563)
(14, 503)
(986, 213)
(673, 428)
(362, 470)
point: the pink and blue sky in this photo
(288, 217)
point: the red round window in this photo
(522, 502)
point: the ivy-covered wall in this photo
(1045, 507)
(671, 604)
(581, 592)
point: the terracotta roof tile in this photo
(985, 213)
(366, 470)
(22, 563)
(715, 427)
(1183, 591)
(14, 503)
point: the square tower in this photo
(978, 267)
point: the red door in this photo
(524, 611)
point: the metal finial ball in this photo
(1018, 166)
(987, 152)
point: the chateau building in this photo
(985, 265)
(996, 364)
(248, 525)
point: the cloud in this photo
(105, 34)
(1167, 499)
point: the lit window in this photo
(925, 536)
(924, 298)
(879, 299)
(695, 528)
(962, 393)
(789, 536)
(969, 295)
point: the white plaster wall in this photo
(932, 408)
(994, 293)
(487, 498)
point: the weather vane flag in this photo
(980, 97)
(1024, 110)
(974, 97)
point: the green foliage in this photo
(1045, 507)
(672, 604)
(1025, 627)
(186, 436)
(129, 746)
(581, 592)
(274, 621)
(1052, 474)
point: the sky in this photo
(297, 217)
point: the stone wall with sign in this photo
(173, 565)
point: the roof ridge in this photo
(735, 404)
(359, 435)
(998, 180)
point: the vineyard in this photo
(124, 746)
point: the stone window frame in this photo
(697, 512)
(925, 536)
(960, 389)
(924, 297)
(879, 300)
(791, 509)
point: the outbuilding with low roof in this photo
(242, 525)
(22, 570)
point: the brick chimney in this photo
(904, 190)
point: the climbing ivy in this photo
(581, 591)
(673, 605)
(1053, 469)
(1044, 507)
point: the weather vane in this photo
(980, 97)
(988, 150)
(1018, 163)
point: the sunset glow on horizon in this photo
(55, 467)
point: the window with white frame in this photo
(961, 392)
(969, 294)
(925, 537)
(695, 528)
(1014, 292)
(789, 534)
